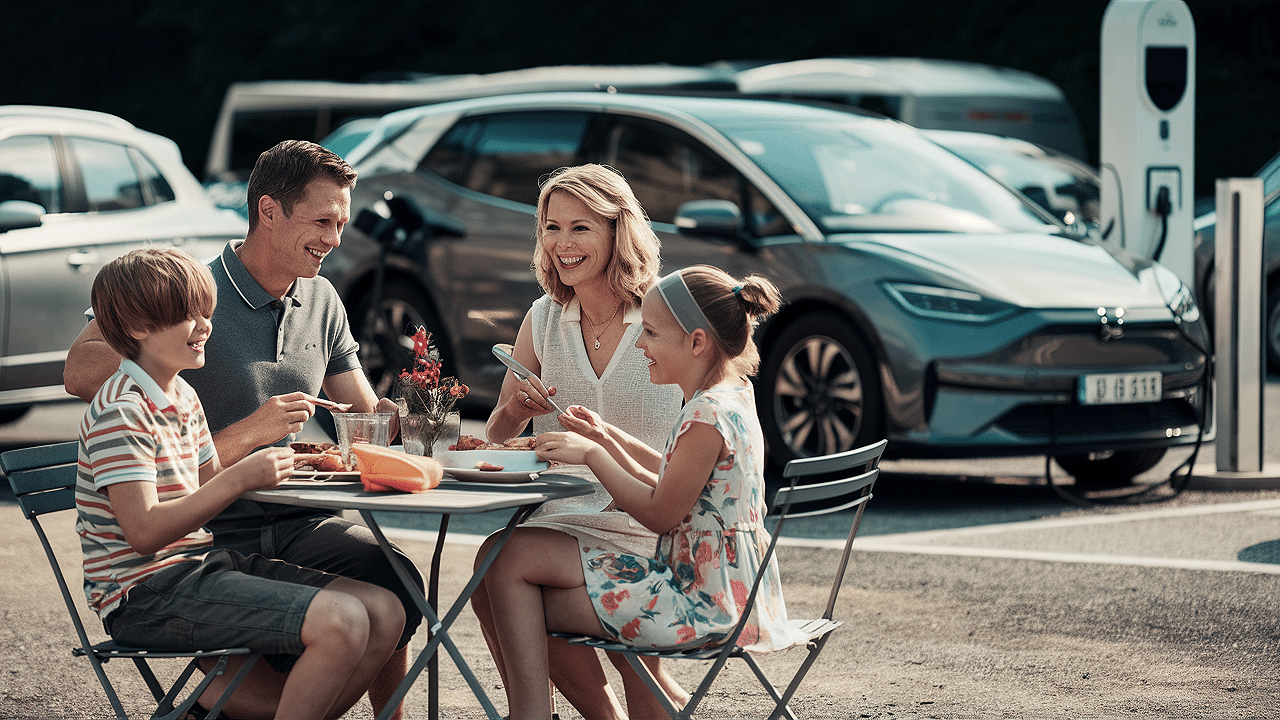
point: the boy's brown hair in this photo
(149, 289)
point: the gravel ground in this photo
(926, 637)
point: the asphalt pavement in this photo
(975, 591)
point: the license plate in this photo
(1120, 388)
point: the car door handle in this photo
(77, 260)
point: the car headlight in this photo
(1179, 298)
(946, 303)
(1183, 305)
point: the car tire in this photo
(819, 390)
(1113, 469)
(386, 347)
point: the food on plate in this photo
(489, 467)
(320, 457)
(383, 469)
(471, 442)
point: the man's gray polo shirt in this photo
(262, 346)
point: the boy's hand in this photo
(265, 468)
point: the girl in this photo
(703, 495)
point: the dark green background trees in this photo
(165, 64)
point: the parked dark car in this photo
(925, 302)
(77, 189)
(1057, 182)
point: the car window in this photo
(157, 188)
(879, 177)
(666, 168)
(29, 172)
(110, 180)
(506, 154)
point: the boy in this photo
(150, 478)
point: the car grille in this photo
(1071, 422)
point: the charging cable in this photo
(1174, 481)
(1164, 206)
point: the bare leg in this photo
(255, 699)
(387, 680)
(347, 621)
(575, 669)
(536, 564)
(640, 700)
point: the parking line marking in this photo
(916, 542)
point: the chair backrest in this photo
(855, 473)
(43, 478)
(839, 494)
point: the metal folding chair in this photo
(855, 474)
(44, 481)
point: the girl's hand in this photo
(586, 423)
(570, 448)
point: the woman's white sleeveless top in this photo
(622, 394)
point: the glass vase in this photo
(422, 435)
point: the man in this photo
(280, 337)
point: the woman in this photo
(596, 257)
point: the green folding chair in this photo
(855, 473)
(43, 480)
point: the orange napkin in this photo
(383, 469)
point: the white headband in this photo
(675, 293)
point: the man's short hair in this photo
(149, 289)
(284, 172)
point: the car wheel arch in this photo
(839, 318)
(399, 282)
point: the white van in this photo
(257, 115)
(929, 94)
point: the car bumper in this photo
(1023, 399)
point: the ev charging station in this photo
(1147, 133)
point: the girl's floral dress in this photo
(692, 593)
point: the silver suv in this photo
(78, 188)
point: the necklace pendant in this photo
(597, 343)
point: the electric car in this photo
(925, 302)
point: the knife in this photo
(521, 371)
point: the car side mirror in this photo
(19, 214)
(719, 218)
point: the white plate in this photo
(493, 476)
(322, 476)
(518, 461)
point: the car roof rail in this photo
(48, 111)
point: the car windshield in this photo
(862, 177)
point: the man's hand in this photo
(278, 417)
(281, 415)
